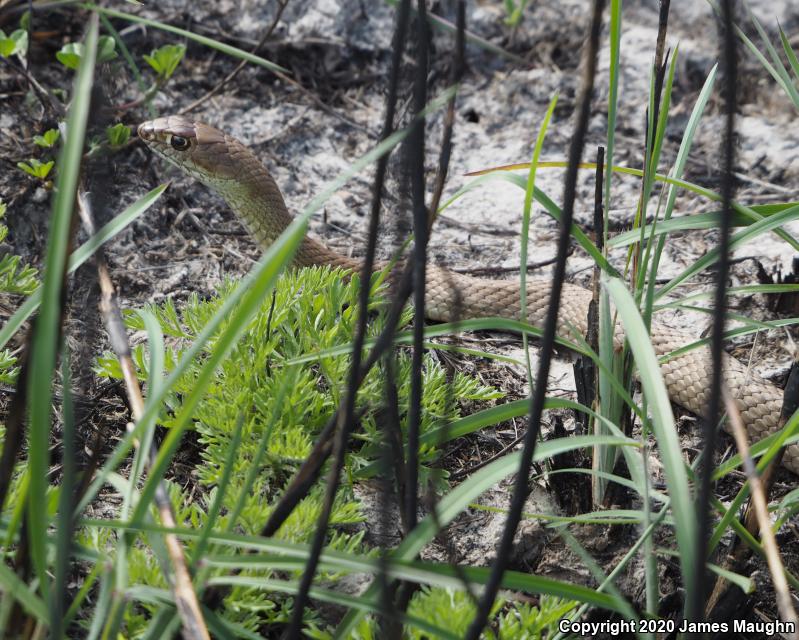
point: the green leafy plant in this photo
(37, 168)
(522, 621)
(48, 139)
(117, 135)
(769, 57)
(453, 609)
(16, 278)
(25, 21)
(14, 44)
(72, 52)
(165, 60)
(70, 55)
(514, 9)
(268, 410)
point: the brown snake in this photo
(232, 170)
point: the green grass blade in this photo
(767, 448)
(525, 234)
(625, 482)
(126, 55)
(102, 602)
(277, 257)
(600, 577)
(282, 555)
(775, 73)
(659, 129)
(14, 587)
(741, 237)
(601, 516)
(445, 576)
(677, 171)
(752, 326)
(790, 53)
(47, 330)
(227, 49)
(613, 100)
(108, 231)
(779, 67)
(165, 624)
(610, 387)
(155, 340)
(743, 290)
(697, 221)
(663, 425)
(79, 598)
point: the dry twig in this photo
(186, 601)
(770, 548)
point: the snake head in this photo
(198, 149)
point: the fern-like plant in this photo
(269, 411)
(16, 278)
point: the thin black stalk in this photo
(449, 119)
(660, 63)
(586, 379)
(696, 601)
(420, 230)
(392, 432)
(550, 330)
(392, 469)
(404, 591)
(346, 417)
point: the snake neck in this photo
(256, 199)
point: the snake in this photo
(232, 170)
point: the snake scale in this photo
(231, 169)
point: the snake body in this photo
(231, 169)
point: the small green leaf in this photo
(70, 55)
(8, 368)
(106, 49)
(72, 52)
(36, 168)
(16, 277)
(7, 46)
(118, 135)
(49, 138)
(16, 43)
(20, 36)
(165, 60)
(27, 168)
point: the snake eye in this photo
(179, 142)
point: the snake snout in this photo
(145, 130)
